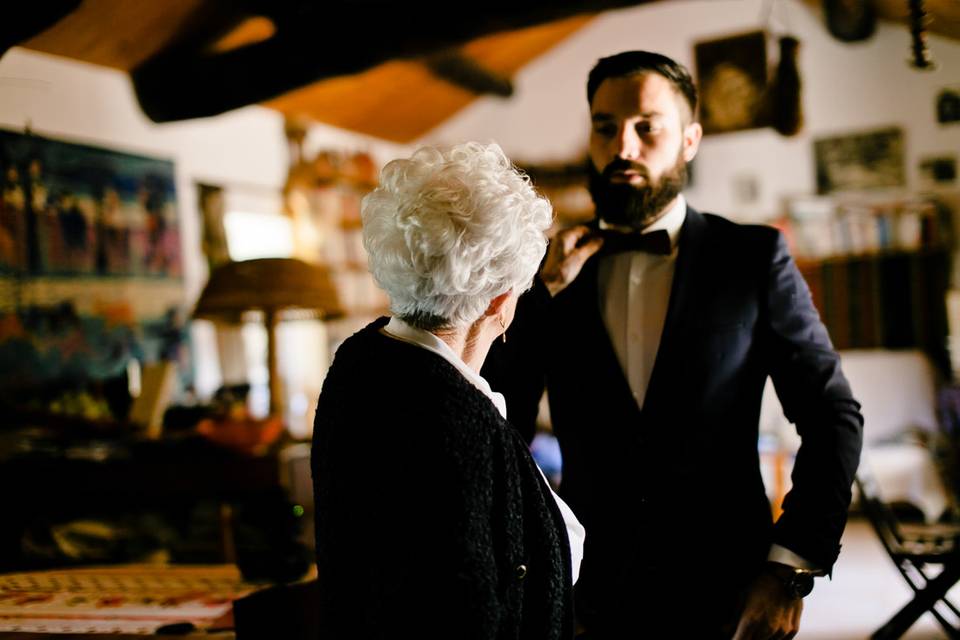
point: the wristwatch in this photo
(797, 582)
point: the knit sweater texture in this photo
(432, 519)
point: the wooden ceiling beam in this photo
(116, 33)
(465, 72)
(381, 102)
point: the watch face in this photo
(802, 584)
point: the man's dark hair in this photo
(631, 63)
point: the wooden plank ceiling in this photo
(398, 100)
(403, 100)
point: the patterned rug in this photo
(128, 599)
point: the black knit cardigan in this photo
(432, 520)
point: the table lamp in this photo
(270, 285)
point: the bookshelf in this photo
(892, 300)
(878, 267)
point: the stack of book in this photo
(878, 268)
(823, 227)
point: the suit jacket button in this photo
(521, 571)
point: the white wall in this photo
(246, 148)
(94, 105)
(846, 88)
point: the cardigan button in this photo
(521, 571)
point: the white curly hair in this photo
(451, 228)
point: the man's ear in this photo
(692, 134)
(496, 305)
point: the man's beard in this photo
(624, 204)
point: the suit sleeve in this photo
(515, 368)
(816, 397)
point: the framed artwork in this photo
(90, 262)
(938, 170)
(77, 210)
(732, 76)
(868, 160)
(948, 105)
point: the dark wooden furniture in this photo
(65, 481)
(917, 550)
(885, 300)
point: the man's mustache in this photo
(621, 164)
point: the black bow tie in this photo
(656, 242)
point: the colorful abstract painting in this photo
(90, 261)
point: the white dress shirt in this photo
(400, 330)
(634, 291)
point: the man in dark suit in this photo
(654, 330)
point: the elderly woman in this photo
(432, 518)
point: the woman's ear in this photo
(496, 305)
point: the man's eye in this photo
(647, 127)
(606, 130)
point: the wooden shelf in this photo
(891, 299)
(882, 254)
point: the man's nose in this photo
(628, 144)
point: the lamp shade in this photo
(270, 285)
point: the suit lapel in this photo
(692, 236)
(581, 304)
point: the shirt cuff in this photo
(787, 557)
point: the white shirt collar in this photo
(400, 330)
(671, 221)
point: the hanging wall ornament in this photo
(920, 53)
(850, 20)
(785, 104)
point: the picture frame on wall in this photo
(75, 210)
(90, 250)
(732, 76)
(948, 105)
(938, 171)
(860, 161)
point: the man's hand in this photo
(771, 613)
(565, 258)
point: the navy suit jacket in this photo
(676, 486)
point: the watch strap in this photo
(797, 582)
